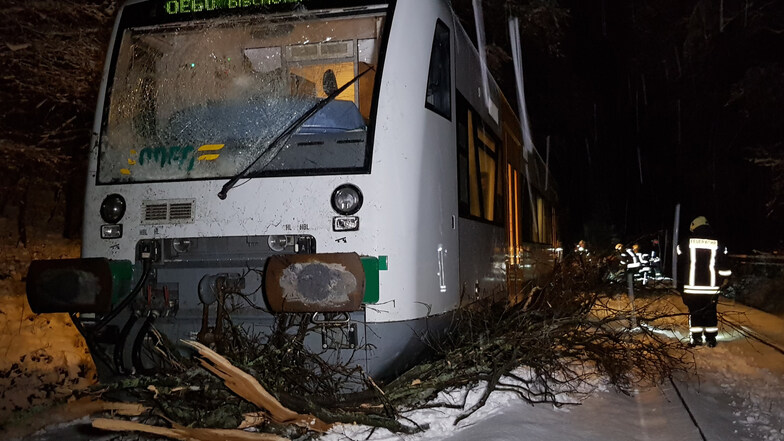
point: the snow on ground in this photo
(42, 357)
(736, 393)
(741, 381)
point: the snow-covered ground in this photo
(42, 357)
(737, 393)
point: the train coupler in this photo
(162, 299)
(337, 334)
(87, 285)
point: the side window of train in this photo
(478, 152)
(527, 218)
(544, 228)
(439, 82)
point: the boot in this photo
(711, 340)
(696, 339)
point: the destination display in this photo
(174, 7)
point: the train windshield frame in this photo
(196, 95)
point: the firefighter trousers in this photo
(702, 313)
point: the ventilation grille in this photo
(155, 212)
(168, 212)
(180, 211)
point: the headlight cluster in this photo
(347, 199)
(113, 208)
(112, 211)
(277, 243)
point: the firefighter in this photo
(633, 262)
(644, 268)
(620, 255)
(618, 263)
(655, 260)
(704, 268)
(581, 250)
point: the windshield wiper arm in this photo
(286, 134)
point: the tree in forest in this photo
(52, 53)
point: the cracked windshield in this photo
(206, 99)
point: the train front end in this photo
(228, 181)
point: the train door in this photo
(439, 100)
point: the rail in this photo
(743, 330)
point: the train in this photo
(341, 161)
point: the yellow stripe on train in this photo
(210, 147)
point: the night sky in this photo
(674, 120)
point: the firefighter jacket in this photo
(631, 260)
(704, 262)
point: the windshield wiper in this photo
(271, 151)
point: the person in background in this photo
(581, 250)
(633, 263)
(329, 82)
(644, 268)
(621, 256)
(704, 264)
(655, 259)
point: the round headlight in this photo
(347, 199)
(277, 243)
(112, 208)
(181, 245)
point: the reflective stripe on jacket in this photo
(702, 267)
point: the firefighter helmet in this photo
(698, 222)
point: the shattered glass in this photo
(204, 99)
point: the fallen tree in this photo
(562, 331)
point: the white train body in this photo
(440, 235)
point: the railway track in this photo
(688, 409)
(744, 331)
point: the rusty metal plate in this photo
(314, 282)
